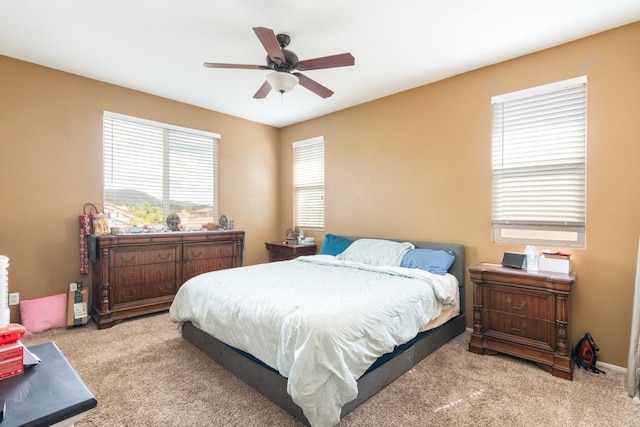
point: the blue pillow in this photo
(334, 245)
(435, 261)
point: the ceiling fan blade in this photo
(263, 91)
(270, 43)
(313, 86)
(341, 60)
(241, 66)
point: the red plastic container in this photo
(11, 360)
(11, 333)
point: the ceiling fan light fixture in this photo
(281, 81)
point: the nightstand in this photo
(523, 314)
(282, 251)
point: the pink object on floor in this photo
(44, 313)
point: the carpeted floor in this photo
(144, 374)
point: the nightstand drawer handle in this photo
(510, 302)
(524, 326)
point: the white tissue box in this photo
(555, 264)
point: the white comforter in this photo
(320, 322)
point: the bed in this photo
(283, 329)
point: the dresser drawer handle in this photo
(522, 306)
(165, 256)
(130, 260)
(132, 295)
(524, 326)
(165, 291)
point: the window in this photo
(153, 169)
(308, 183)
(539, 157)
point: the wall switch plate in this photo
(14, 298)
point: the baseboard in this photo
(612, 367)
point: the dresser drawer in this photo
(525, 302)
(144, 255)
(128, 276)
(196, 252)
(140, 292)
(193, 268)
(136, 283)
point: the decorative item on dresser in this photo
(137, 274)
(283, 251)
(524, 314)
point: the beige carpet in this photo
(144, 374)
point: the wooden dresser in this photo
(523, 314)
(136, 274)
(281, 251)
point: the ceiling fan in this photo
(285, 66)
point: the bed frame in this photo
(389, 367)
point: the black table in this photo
(47, 393)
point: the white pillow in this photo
(376, 252)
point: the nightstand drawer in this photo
(531, 303)
(533, 332)
(279, 251)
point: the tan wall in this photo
(51, 164)
(417, 165)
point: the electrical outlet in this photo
(14, 298)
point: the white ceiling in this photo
(158, 46)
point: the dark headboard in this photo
(457, 268)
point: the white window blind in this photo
(153, 169)
(308, 183)
(539, 158)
